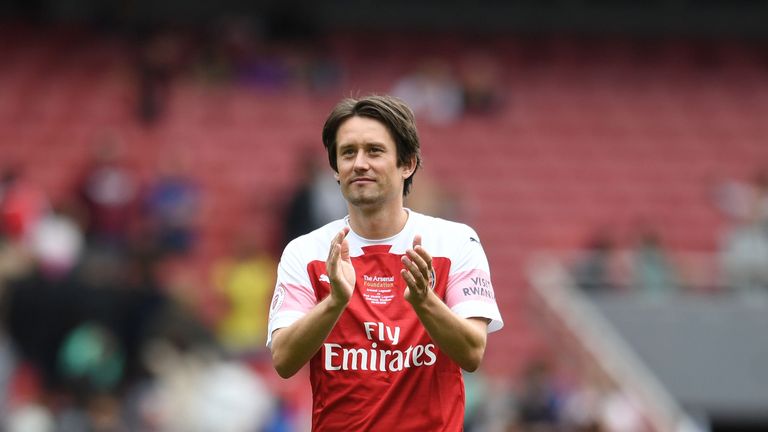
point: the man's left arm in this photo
(462, 339)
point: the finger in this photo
(409, 280)
(339, 237)
(418, 259)
(424, 255)
(424, 261)
(337, 240)
(330, 264)
(413, 289)
(332, 248)
(417, 241)
(330, 252)
(344, 249)
(417, 246)
(415, 272)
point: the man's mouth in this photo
(362, 180)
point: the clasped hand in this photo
(341, 273)
(418, 273)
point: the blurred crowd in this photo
(239, 52)
(739, 267)
(547, 399)
(107, 324)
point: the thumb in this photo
(417, 241)
(344, 250)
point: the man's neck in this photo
(377, 224)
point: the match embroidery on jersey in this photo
(378, 290)
(277, 299)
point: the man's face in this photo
(366, 157)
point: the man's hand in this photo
(341, 273)
(293, 346)
(462, 339)
(418, 273)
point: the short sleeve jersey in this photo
(378, 370)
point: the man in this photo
(387, 305)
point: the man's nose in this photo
(361, 161)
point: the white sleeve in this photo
(294, 295)
(470, 292)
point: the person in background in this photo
(744, 247)
(245, 280)
(315, 202)
(593, 272)
(172, 205)
(652, 271)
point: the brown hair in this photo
(392, 112)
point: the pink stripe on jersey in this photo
(469, 285)
(295, 298)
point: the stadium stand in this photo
(580, 142)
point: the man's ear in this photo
(409, 168)
(336, 175)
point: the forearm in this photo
(293, 346)
(462, 339)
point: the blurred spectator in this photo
(315, 201)
(428, 197)
(246, 281)
(620, 413)
(7, 366)
(196, 390)
(15, 263)
(322, 74)
(22, 205)
(596, 403)
(481, 83)
(30, 418)
(582, 409)
(91, 359)
(262, 66)
(539, 400)
(744, 258)
(316, 68)
(107, 190)
(432, 92)
(476, 389)
(742, 202)
(652, 272)
(744, 249)
(57, 243)
(593, 272)
(214, 63)
(238, 51)
(158, 60)
(172, 205)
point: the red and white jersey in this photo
(378, 370)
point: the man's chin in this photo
(363, 200)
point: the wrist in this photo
(336, 302)
(424, 304)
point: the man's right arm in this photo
(293, 346)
